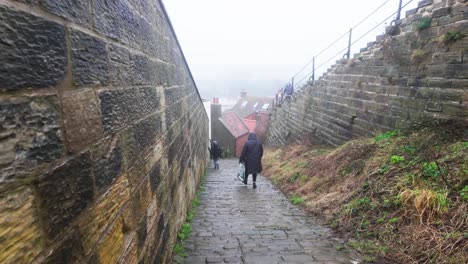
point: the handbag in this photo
(241, 172)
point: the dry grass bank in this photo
(400, 196)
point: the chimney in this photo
(215, 100)
(243, 94)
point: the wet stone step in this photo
(238, 224)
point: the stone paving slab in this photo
(238, 224)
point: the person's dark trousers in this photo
(254, 176)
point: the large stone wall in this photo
(405, 77)
(103, 136)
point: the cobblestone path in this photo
(238, 224)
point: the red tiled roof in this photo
(251, 124)
(234, 124)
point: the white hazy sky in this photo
(257, 45)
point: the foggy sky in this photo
(258, 45)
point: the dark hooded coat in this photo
(215, 150)
(252, 155)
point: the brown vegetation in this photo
(401, 196)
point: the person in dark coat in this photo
(215, 153)
(252, 157)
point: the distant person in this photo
(278, 96)
(288, 90)
(252, 157)
(215, 153)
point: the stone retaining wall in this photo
(408, 75)
(103, 136)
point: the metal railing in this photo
(346, 51)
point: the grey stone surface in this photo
(78, 11)
(32, 51)
(238, 224)
(30, 135)
(65, 192)
(89, 59)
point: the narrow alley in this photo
(238, 224)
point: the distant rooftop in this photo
(247, 105)
(234, 124)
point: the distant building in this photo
(232, 127)
(247, 105)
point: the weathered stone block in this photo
(155, 177)
(130, 148)
(89, 59)
(141, 199)
(433, 106)
(424, 3)
(163, 251)
(32, 51)
(130, 255)
(147, 131)
(142, 232)
(82, 119)
(173, 113)
(141, 102)
(118, 20)
(113, 243)
(69, 251)
(20, 233)
(103, 213)
(119, 69)
(118, 107)
(30, 134)
(64, 193)
(143, 70)
(172, 95)
(28, 1)
(451, 109)
(411, 12)
(113, 110)
(108, 18)
(77, 11)
(107, 163)
(441, 12)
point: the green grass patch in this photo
(464, 193)
(451, 37)
(395, 159)
(384, 169)
(380, 220)
(385, 135)
(297, 200)
(294, 177)
(430, 169)
(345, 171)
(186, 229)
(409, 149)
(179, 249)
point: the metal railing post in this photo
(292, 82)
(399, 10)
(348, 54)
(313, 70)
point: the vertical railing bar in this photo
(313, 70)
(348, 54)
(399, 10)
